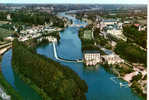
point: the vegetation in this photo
(59, 82)
(9, 89)
(137, 88)
(4, 33)
(138, 37)
(124, 69)
(131, 53)
(89, 43)
(37, 18)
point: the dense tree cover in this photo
(139, 37)
(37, 18)
(131, 52)
(101, 41)
(58, 81)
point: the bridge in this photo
(62, 59)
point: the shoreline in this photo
(107, 68)
(9, 90)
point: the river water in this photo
(100, 86)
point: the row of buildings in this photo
(35, 32)
(112, 27)
(94, 58)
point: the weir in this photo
(62, 59)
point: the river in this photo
(100, 86)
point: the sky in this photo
(78, 1)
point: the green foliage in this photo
(139, 37)
(36, 18)
(58, 81)
(131, 52)
(101, 41)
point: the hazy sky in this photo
(78, 1)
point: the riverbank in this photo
(8, 88)
(92, 39)
(121, 72)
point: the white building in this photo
(112, 59)
(105, 23)
(116, 32)
(8, 17)
(108, 22)
(92, 58)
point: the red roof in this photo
(136, 25)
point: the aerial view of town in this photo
(73, 51)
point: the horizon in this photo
(73, 2)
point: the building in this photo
(104, 23)
(8, 17)
(142, 28)
(116, 32)
(92, 58)
(112, 59)
(127, 22)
